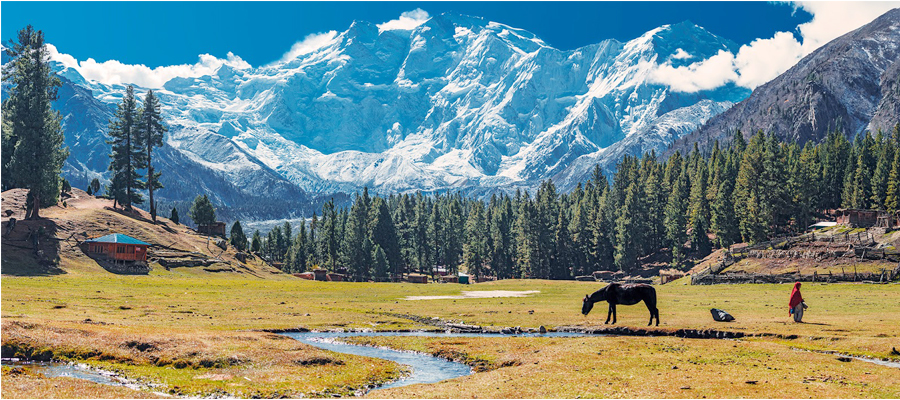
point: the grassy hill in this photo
(50, 246)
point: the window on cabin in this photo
(120, 249)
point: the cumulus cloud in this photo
(764, 59)
(703, 75)
(407, 21)
(680, 54)
(113, 72)
(309, 44)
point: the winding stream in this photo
(424, 368)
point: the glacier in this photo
(455, 103)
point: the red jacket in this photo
(796, 297)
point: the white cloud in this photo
(309, 44)
(407, 21)
(680, 54)
(764, 59)
(704, 75)
(113, 72)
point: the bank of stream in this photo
(423, 368)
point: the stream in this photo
(424, 368)
(56, 369)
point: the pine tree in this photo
(699, 212)
(383, 233)
(256, 242)
(882, 172)
(357, 245)
(892, 194)
(676, 217)
(202, 211)
(380, 265)
(860, 184)
(753, 221)
(150, 132)
(835, 156)
(33, 151)
(502, 240)
(174, 215)
(626, 256)
(237, 237)
(95, 186)
(475, 248)
(128, 153)
(561, 263)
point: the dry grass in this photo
(21, 383)
(640, 367)
(243, 364)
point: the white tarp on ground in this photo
(482, 294)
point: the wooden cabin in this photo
(214, 229)
(116, 247)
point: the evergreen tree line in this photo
(134, 132)
(685, 205)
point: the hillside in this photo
(851, 83)
(81, 217)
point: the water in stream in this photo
(424, 368)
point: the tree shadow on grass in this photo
(30, 248)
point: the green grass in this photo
(193, 318)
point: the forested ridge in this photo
(678, 210)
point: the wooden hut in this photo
(117, 247)
(418, 278)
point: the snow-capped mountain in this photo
(458, 102)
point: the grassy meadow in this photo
(202, 334)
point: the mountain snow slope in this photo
(851, 83)
(458, 102)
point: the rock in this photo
(844, 359)
(542, 329)
(222, 244)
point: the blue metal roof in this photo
(117, 238)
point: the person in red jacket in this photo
(796, 303)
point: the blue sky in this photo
(149, 43)
(167, 33)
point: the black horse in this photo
(627, 294)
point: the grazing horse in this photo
(627, 294)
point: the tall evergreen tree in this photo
(676, 217)
(237, 237)
(128, 153)
(383, 233)
(882, 172)
(699, 211)
(202, 210)
(33, 152)
(256, 243)
(150, 132)
(174, 215)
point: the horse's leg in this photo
(651, 306)
(609, 313)
(613, 307)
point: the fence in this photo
(883, 276)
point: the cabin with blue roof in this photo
(117, 247)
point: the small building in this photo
(214, 229)
(418, 278)
(320, 274)
(463, 279)
(117, 247)
(888, 220)
(857, 218)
